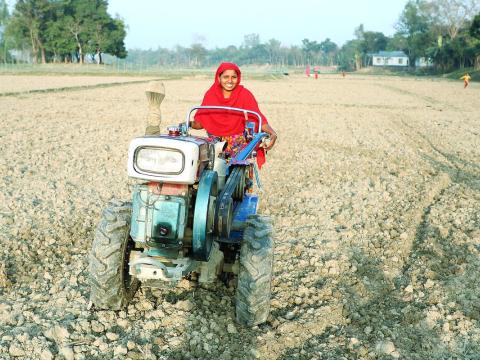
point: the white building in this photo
(423, 62)
(390, 58)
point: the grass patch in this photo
(457, 74)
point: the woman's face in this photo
(228, 80)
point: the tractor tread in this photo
(252, 298)
(108, 288)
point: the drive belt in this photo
(224, 216)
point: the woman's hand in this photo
(194, 124)
(273, 135)
(273, 138)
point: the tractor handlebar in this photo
(187, 121)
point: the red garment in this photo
(224, 122)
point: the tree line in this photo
(60, 31)
(447, 32)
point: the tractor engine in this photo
(163, 204)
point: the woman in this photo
(466, 79)
(229, 126)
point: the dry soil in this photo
(373, 186)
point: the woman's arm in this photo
(273, 135)
(251, 103)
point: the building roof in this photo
(390, 54)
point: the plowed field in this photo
(373, 187)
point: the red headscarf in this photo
(224, 122)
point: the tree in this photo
(253, 50)
(329, 50)
(475, 33)
(65, 29)
(198, 54)
(414, 26)
(453, 15)
(396, 42)
(359, 31)
(91, 29)
(4, 16)
(218, 55)
(81, 16)
(60, 44)
(373, 42)
(475, 27)
(295, 56)
(105, 34)
(28, 25)
(355, 47)
(348, 57)
(310, 49)
(257, 54)
(273, 48)
(108, 37)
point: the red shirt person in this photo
(227, 91)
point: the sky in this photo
(215, 23)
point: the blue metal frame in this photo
(247, 207)
(247, 150)
(202, 239)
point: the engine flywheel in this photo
(204, 215)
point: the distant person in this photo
(343, 74)
(307, 70)
(315, 70)
(227, 125)
(466, 79)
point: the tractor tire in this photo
(111, 286)
(252, 298)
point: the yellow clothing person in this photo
(466, 80)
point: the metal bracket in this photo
(148, 268)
